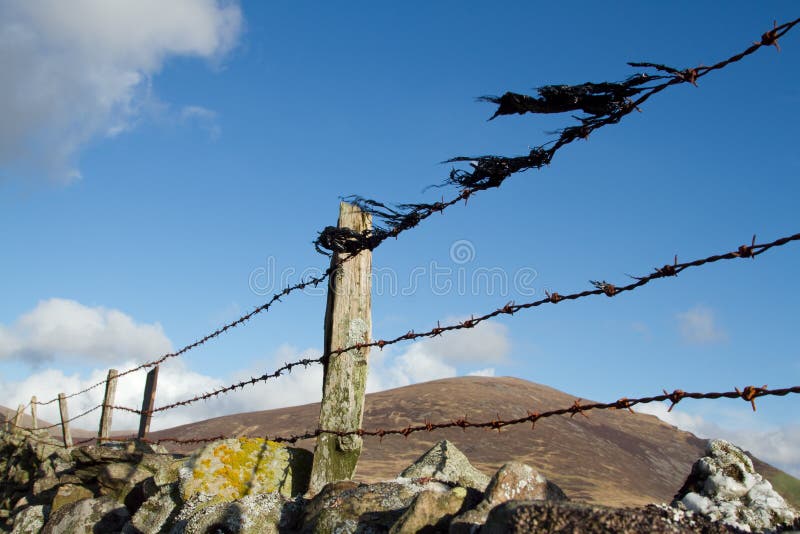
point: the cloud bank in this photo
(69, 331)
(76, 70)
(66, 329)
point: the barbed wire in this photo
(606, 103)
(73, 418)
(313, 281)
(748, 394)
(601, 288)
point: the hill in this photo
(615, 458)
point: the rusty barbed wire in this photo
(286, 368)
(748, 394)
(601, 288)
(605, 103)
(73, 418)
(313, 281)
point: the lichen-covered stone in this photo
(349, 507)
(723, 486)
(31, 520)
(513, 480)
(103, 514)
(446, 463)
(118, 479)
(68, 494)
(44, 484)
(156, 513)
(268, 513)
(431, 511)
(523, 517)
(234, 468)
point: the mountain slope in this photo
(612, 457)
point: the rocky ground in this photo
(254, 486)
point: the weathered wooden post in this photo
(348, 321)
(65, 433)
(18, 417)
(34, 402)
(148, 401)
(108, 402)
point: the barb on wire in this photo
(601, 288)
(604, 104)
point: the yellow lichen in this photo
(236, 468)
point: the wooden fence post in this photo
(35, 424)
(108, 402)
(65, 433)
(18, 417)
(148, 401)
(348, 321)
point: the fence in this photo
(350, 244)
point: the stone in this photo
(513, 481)
(31, 520)
(445, 463)
(234, 468)
(118, 479)
(268, 513)
(518, 517)
(516, 480)
(103, 514)
(68, 494)
(723, 486)
(156, 513)
(44, 484)
(346, 506)
(431, 511)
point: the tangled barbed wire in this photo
(604, 103)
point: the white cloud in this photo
(698, 325)
(59, 328)
(76, 70)
(488, 342)
(779, 446)
(418, 362)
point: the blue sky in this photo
(163, 165)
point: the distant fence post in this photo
(35, 423)
(148, 401)
(18, 417)
(65, 433)
(108, 402)
(348, 321)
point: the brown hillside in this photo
(613, 457)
